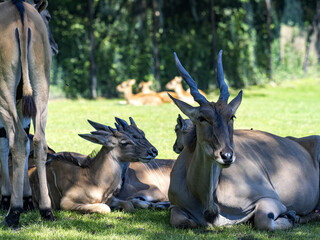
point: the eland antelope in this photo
(25, 61)
(145, 88)
(81, 183)
(143, 184)
(176, 85)
(4, 143)
(139, 98)
(226, 177)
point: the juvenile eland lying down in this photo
(145, 185)
(88, 185)
(227, 177)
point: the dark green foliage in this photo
(124, 45)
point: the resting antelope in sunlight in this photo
(274, 181)
(176, 85)
(139, 98)
(145, 88)
(80, 183)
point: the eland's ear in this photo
(98, 126)
(132, 81)
(187, 109)
(180, 121)
(40, 5)
(235, 103)
(107, 140)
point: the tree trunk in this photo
(213, 33)
(93, 76)
(269, 70)
(155, 18)
(314, 24)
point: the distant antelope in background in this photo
(176, 85)
(139, 98)
(144, 87)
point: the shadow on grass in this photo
(142, 224)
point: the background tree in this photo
(104, 42)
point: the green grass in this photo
(292, 108)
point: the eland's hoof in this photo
(47, 214)
(27, 203)
(210, 216)
(12, 219)
(292, 216)
(5, 202)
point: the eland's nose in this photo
(153, 152)
(226, 157)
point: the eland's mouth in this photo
(146, 159)
(224, 164)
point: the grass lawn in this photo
(292, 108)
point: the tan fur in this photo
(176, 85)
(147, 184)
(145, 88)
(225, 177)
(182, 128)
(79, 183)
(140, 98)
(36, 78)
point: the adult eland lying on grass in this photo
(274, 181)
(25, 58)
(80, 183)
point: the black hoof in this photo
(5, 203)
(292, 216)
(27, 203)
(210, 216)
(47, 214)
(12, 219)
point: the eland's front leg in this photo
(271, 214)
(180, 219)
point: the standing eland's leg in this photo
(10, 75)
(27, 192)
(39, 65)
(40, 155)
(5, 171)
(5, 177)
(18, 147)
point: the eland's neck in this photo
(106, 169)
(202, 178)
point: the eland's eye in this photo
(124, 143)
